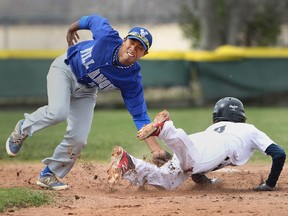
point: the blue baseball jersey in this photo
(94, 62)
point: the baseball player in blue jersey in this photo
(228, 141)
(105, 63)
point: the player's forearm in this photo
(278, 159)
(154, 146)
(74, 27)
(72, 36)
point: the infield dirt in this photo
(90, 194)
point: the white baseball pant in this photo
(186, 155)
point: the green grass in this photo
(115, 127)
(21, 198)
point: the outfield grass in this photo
(115, 127)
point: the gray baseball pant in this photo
(67, 100)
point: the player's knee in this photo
(59, 115)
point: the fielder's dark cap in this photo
(142, 35)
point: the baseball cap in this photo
(142, 35)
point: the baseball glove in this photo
(160, 160)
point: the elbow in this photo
(276, 152)
(280, 156)
(284, 156)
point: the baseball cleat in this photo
(15, 140)
(50, 181)
(154, 128)
(120, 163)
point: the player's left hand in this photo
(264, 187)
(161, 159)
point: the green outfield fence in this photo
(237, 71)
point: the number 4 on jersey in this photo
(220, 129)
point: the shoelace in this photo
(19, 138)
(51, 180)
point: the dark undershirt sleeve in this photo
(278, 159)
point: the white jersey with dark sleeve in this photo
(240, 139)
(203, 152)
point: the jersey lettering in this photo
(104, 84)
(100, 80)
(220, 129)
(85, 55)
(94, 74)
(92, 84)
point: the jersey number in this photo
(220, 129)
